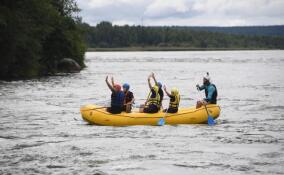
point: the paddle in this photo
(162, 121)
(210, 119)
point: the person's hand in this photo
(112, 80)
(197, 86)
(165, 88)
(106, 78)
(153, 75)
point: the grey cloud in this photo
(184, 12)
(112, 12)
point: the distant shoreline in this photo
(133, 49)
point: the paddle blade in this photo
(211, 121)
(161, 122)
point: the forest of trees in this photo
(106, 35)
(277, 30)
(36, 34)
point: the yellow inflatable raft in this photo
(99, 116)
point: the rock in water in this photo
(68, 65)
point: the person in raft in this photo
(174, 100)
(117, 98)
(161, 93)
(128, 98)
(152, 104)
(211, 92)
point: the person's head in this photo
(117, 87)
(125, 87)
(156, 88)
(160, 85)
(174, 91)
(206, 79)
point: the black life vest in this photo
(117, 99)
(128, 96)
(214, 96)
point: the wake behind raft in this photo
(98, 115)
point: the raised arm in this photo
(165, 88)
(200, 88)
(154, 78)
(149, 82)
(112, 81)
(109, 85)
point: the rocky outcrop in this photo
(68, 65)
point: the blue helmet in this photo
(160, 84)
(126, 86)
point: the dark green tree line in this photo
(109, 36)
(36, 34)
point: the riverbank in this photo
(130, 49)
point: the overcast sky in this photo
(184, 12)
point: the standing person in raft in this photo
(174, 100)
(161, 93)
(211, 92)
(128, 98)
(117, 97)
(152, 104)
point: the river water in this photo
(42, 132)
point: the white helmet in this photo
(207, 77)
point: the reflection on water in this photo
(42, 131)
